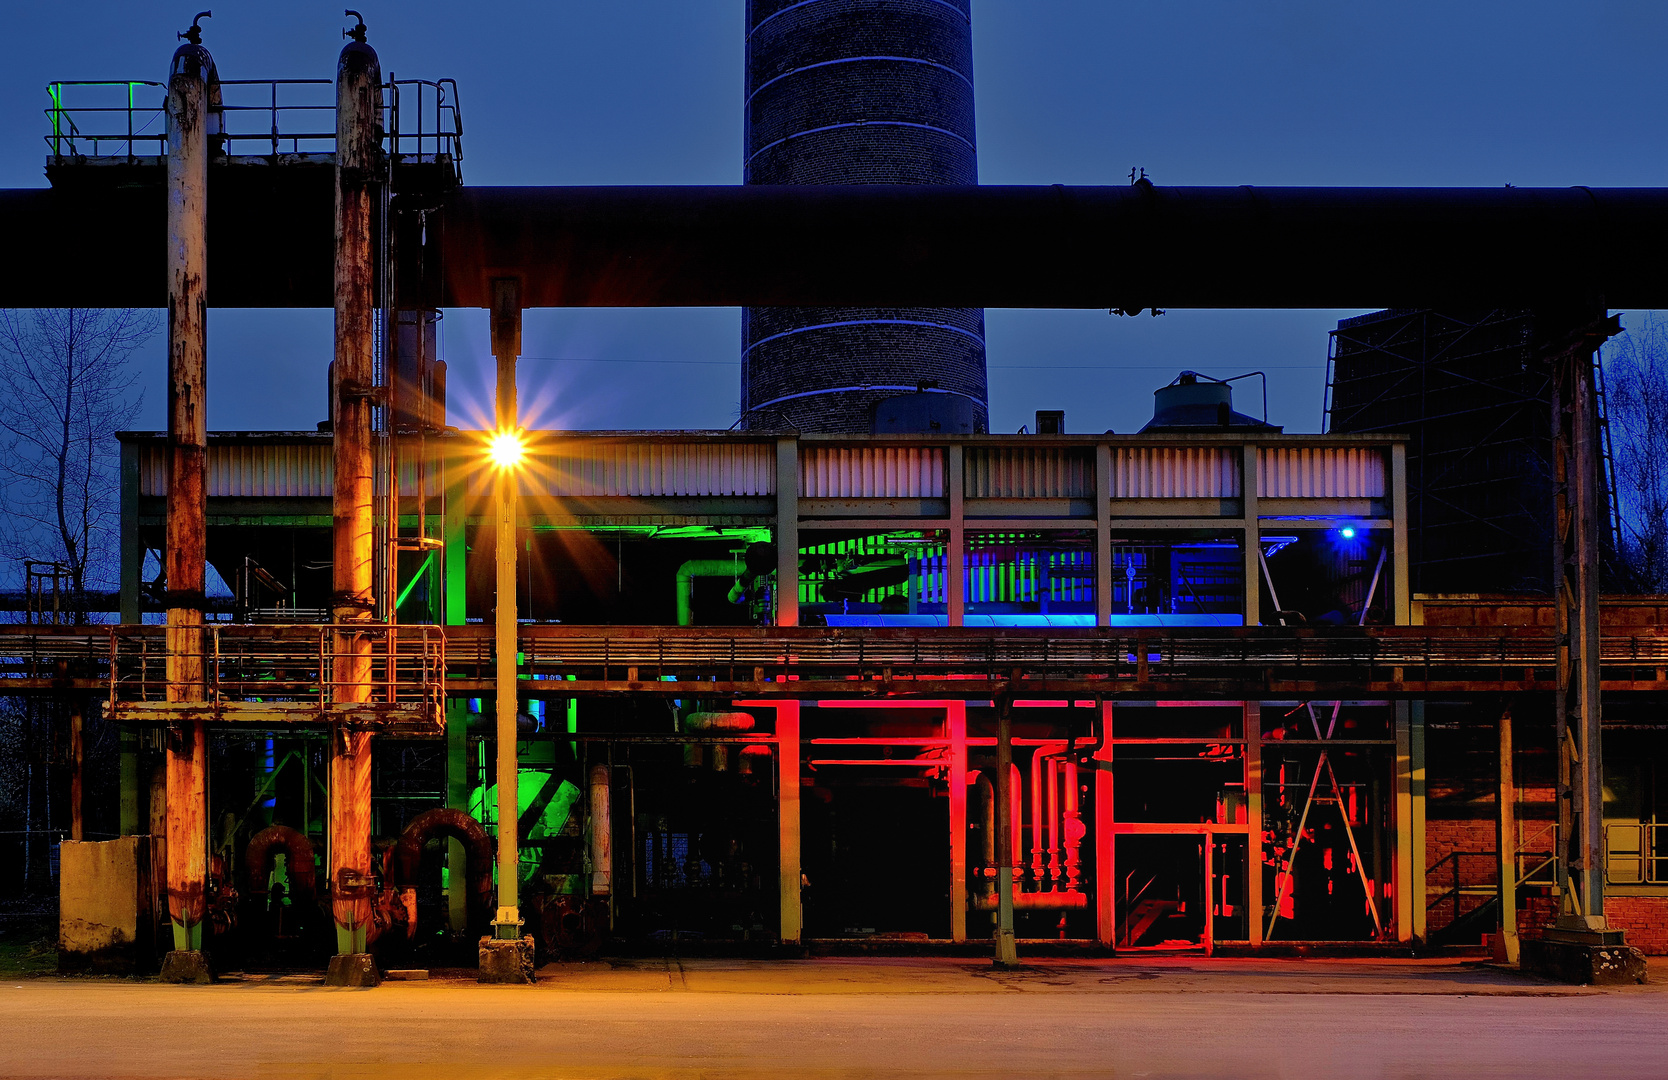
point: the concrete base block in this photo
(186, 966)
(104, 924)
(352, 969)
(1584, 964)
(507, 961)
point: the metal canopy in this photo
(1127, 247)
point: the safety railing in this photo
(1636, 853)
(373, 673)
(1376, 654)
(1477, 874)
(110, 115)
(257, 117)
(1313, 661)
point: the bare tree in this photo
(1636, 399)
(67, 385)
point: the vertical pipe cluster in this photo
(192, 86)
(358, 153)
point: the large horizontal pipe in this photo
(1086, 247)
(1103, 247)
(1035, 901)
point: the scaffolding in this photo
(1465, 388)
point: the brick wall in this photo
(1645, 918)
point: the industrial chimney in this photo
(859, 92)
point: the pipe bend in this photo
(302, 870)
(406, 857)
(699, 568)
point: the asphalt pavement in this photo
(1128, 1017)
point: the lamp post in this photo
(506, 451)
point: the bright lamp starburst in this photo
(506, 449)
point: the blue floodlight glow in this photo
(1347, 532)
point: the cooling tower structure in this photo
(859, 92)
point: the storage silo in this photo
(859, 92)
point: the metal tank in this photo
(858, 92)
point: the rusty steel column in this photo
(358, 189)
(506, 346)
(1585, 486)
(1578, 510)
(192, 88)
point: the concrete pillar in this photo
(787, 820)
(358, 195)
(192, 88)
(955, 725)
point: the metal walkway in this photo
(418, 666)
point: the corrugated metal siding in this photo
(1175, 472)
(1037, 472)
(657, 468)
(1322, 472)
(260, 470)
(871, 472)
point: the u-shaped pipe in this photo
(406, 858)
(257, 859)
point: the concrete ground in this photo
(1128, 1017)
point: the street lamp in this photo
(505, 450)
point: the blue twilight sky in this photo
(1323, 92)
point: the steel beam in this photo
(1047, 246)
